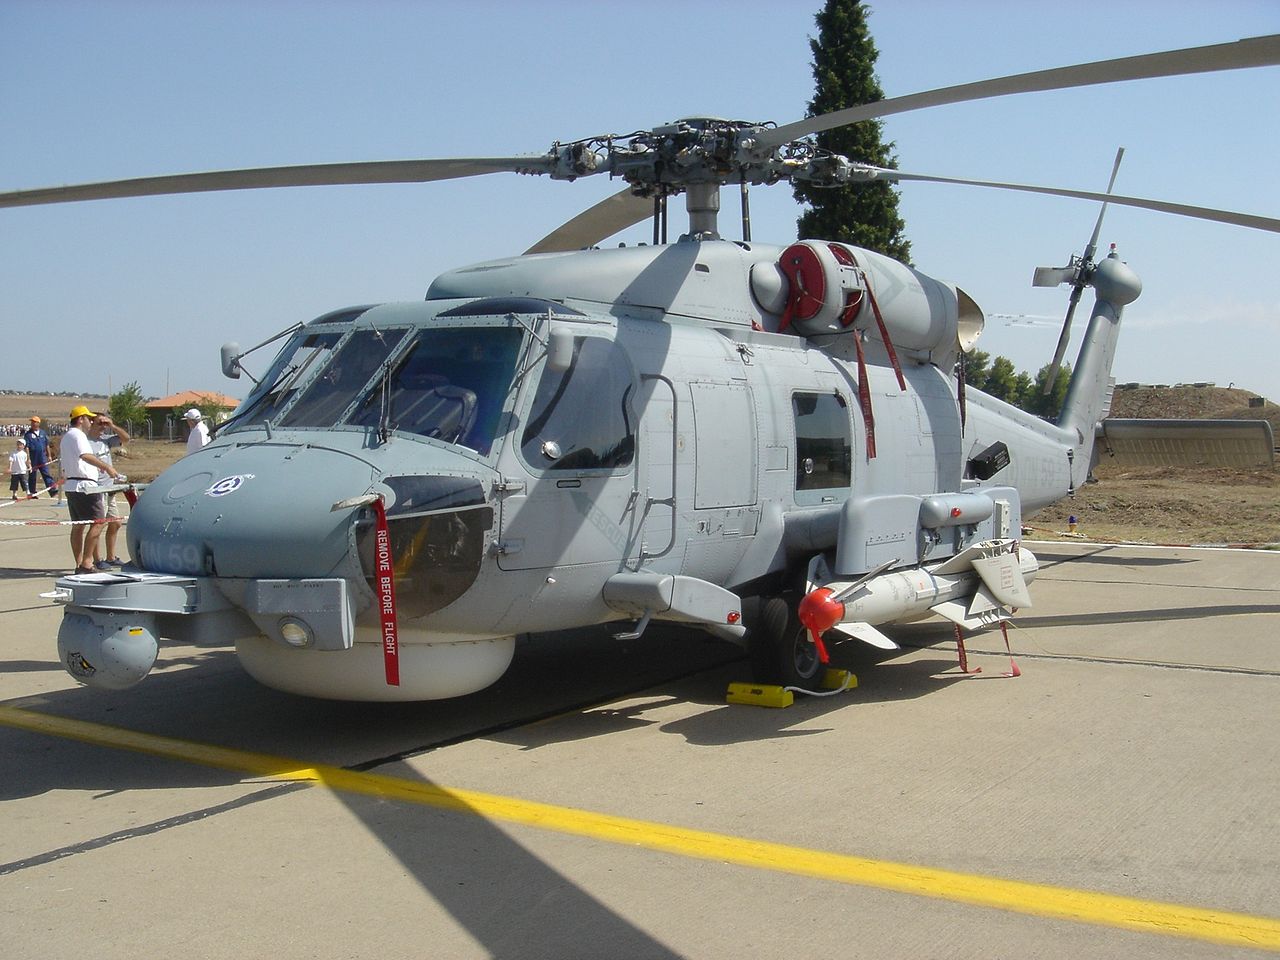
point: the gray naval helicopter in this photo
(582, 436)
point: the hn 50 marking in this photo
(576, 436)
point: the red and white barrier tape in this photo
(129, 492)
(52, 491)
(61, 523)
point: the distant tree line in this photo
(1000, 379)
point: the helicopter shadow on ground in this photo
(34, 573)
(1149, 615)
(883, 677)
(29, 666)
(1102, 554)
(507, 898)
(202, 695)
(571, 684)
(510, 900)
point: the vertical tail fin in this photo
(1116, 286)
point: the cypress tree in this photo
(864, 214)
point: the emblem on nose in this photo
(228, 485)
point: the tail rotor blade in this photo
(1063, 339)
(1081, 280)
(1097, 227)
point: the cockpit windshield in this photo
(328, 395)
(450, 384)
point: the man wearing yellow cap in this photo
(81, 470)
(37, 442)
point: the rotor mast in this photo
(702, 202)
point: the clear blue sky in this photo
(97, 294)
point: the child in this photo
(19, 466)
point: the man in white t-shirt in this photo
(81, 470)
(105, 435)
(199, 434)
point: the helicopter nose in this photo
(260, 511)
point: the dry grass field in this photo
(21, 407)
(1168, 505)
(141, 460)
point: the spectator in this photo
(198, 434)
(81, 469)
(104, 436)
(19, 467)
(38, 452)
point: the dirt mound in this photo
(1192, 402)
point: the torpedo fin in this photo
(1002, 575)
(866, 633)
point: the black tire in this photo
(781, 651)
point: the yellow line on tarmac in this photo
(1216, 926)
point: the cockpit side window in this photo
(330, 393)
(579, 419)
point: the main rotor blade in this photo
(597, 223)
(309, 175)
(1236, 55)
(1162, 206)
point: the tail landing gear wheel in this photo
(781, 651)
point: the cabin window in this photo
(824, 449)
(337, 386)
(579, 419)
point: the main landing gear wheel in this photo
(781, 651)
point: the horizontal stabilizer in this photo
(1246, 444)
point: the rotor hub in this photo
(700, 150)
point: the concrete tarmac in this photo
(1119, 799)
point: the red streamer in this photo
(385, 580)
